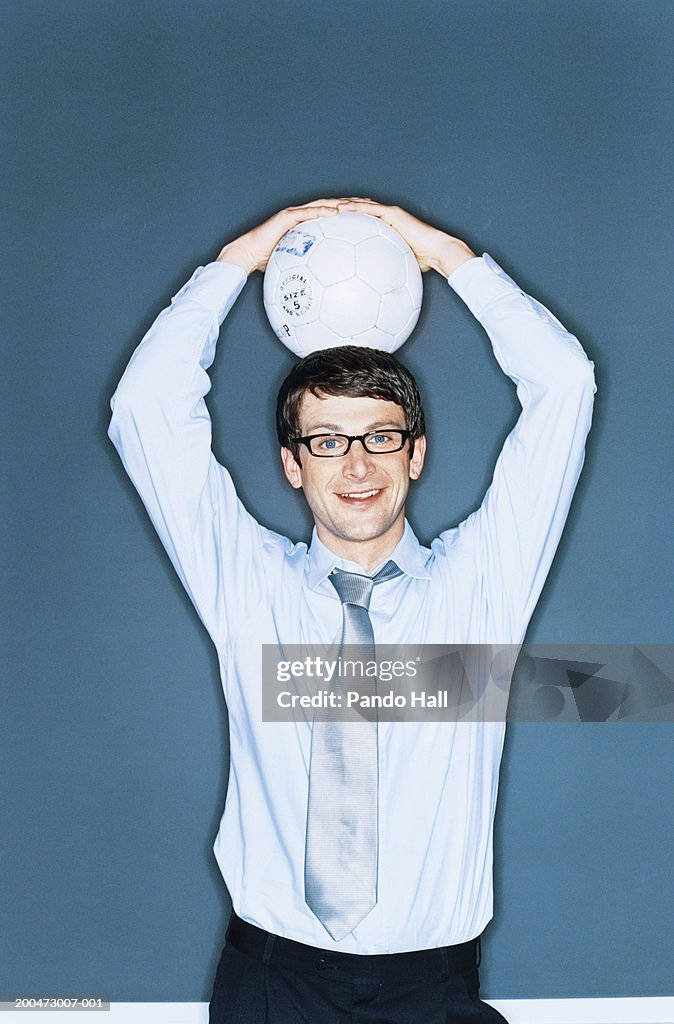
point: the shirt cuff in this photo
(215, 287)
(481, 281)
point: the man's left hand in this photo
(433, 248)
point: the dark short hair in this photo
(354, 371)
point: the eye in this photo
(379, 438)
(329, 443)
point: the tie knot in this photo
(352, 588)
(355, 588)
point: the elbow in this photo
(577, 392)
(115, 425)
(586, 379)
(567, 384)
(576, 374)
(124, 406)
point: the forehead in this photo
(347, 415)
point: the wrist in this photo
(450, 254)
(237, 253)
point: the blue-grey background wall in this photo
(141, 136)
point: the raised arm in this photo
(162, 430)
(513, 536)
(518, 526)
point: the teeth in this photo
(362, 494)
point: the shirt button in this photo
(320, 965)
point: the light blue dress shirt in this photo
(478, 583)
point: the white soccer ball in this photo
(349, 279)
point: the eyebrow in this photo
(338, 429)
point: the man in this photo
(373, 914)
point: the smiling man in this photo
(358, 858)
(356, 496)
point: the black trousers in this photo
(264, 979)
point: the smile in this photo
(361, 495)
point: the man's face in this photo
(358, 500)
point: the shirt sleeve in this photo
(515, 532)
(161, 429)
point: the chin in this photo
(364, 531)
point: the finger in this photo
(316, 202)
(368, 207)
(362, 204)
(321, 211)
(312, 212)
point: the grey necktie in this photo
(340, 869)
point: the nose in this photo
(359, 463)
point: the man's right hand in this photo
(253, 250)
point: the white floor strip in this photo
(587, 1011)
(517, 1011)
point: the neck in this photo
(368, 554)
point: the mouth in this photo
(361, 497)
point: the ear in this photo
(291, 468)
(418, 456)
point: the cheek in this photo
(315, 481)
(407, 472)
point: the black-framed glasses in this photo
(333, 446)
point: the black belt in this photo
(441, 961)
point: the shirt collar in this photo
(408, 556)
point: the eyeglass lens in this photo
(378, 441)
